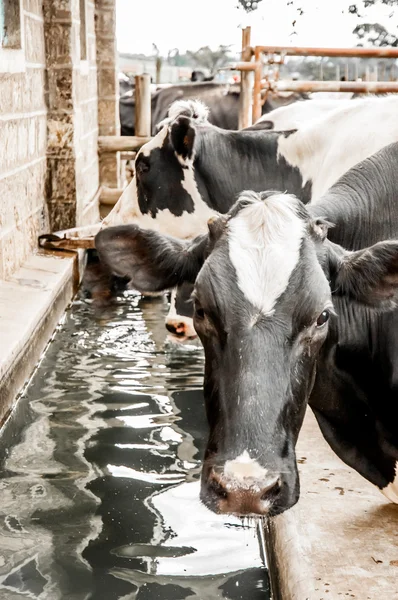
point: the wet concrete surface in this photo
(100, 466)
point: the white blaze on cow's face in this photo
(264, 248)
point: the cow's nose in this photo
(176, 328)
(181, 328)
(252, 497)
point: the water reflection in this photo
(99, 485)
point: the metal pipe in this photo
(385, 52)
(240, 66)
(362, 87)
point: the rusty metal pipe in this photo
(257, 103)
(386, 52)
(240, 66)
(362, 87)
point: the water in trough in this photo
(100, 465)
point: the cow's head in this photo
(165, 194)
(265, 275)
(179, 321)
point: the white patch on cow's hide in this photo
(391, 490)
(186, 226)
(264, 247)
(173, 318)
(295, 115)
(327, 147)
(194, 109)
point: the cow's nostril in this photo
(270, 490)
(170, 328)
(217, 488)
(176, 329)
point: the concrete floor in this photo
(341, 539)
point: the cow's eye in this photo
(141, 167)
(199, 312)
(323, 318)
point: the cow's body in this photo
(222, 163)
(262, 306)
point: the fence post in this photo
(246, 83)
(257, 108)
(143, 105)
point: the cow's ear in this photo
(182, 136)
(260, 125)
(369, 276)
(151, 261)
(216, 226)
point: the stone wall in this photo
(50, 81)
(72, 177)
(23, 138)
(108, 87)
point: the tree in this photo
(249, 5)
(374, 34)
(210, 59)
(159, 61)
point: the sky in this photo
(190, 24)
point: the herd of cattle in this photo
(281, 243)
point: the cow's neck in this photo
(362, 204)
(358, 376)
(227, 163)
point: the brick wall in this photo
(23, 142)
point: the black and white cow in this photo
(191, 170)
(289, 311)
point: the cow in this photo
(192, 170)
(221, 99)
(294, 304)
(296, 115)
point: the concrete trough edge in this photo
(289, 576)
(341, 538)
(22, 365)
